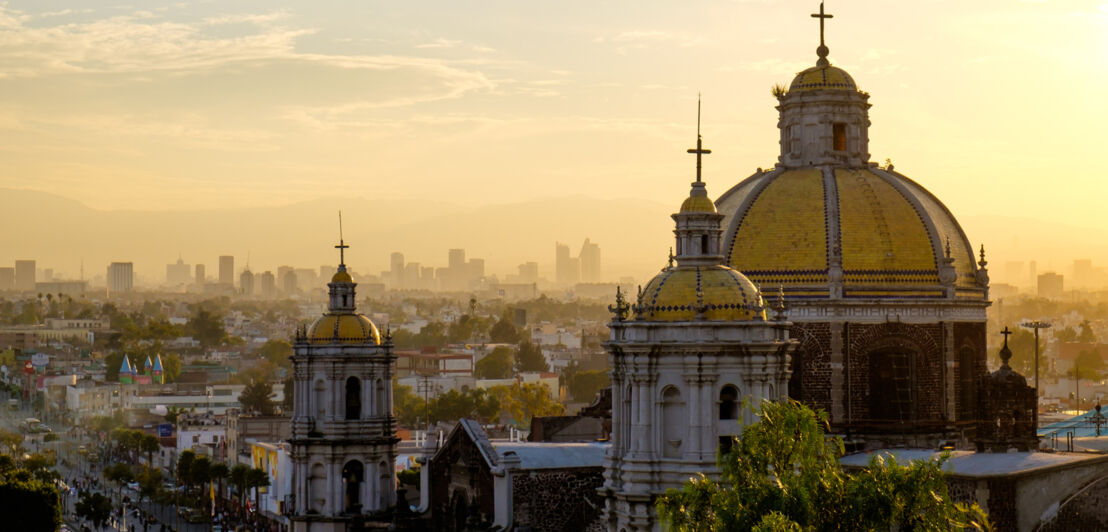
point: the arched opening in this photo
(892, 385)
(839, 130)
(703, 244)
(674, 422)
(729, 402)
(353, 474)
(353, 398)
(317, 489)
(319, 399)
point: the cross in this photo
(341, 247)
(1006, 332)
(821, 16)
(699, 149)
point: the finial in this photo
(671, 257)
(1005, 353)
(341, 247)
(621, 307)
(948, 247)
(982, 262)
(822, 50)
(780, 307)
(388, 332)
(699, 149)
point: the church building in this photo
(343, 431)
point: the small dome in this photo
(341, 277)
(726, 295)
(698, 204)
(343, 329)
(823, 78)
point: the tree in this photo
(530, 358)
(184, 466)
(120, 474)
(150, 481)
(288, 400)
(171, 367)
(1066, 334)
(258, 397)
(409, 407)
(1088, 365)
(240, 479)
(11, 442)
(112, 362)
(503, 331)
(94, 507)
(1087, 335)
(1022, 345)
(206, 328)
(521, 402)
(277, 352)
(256, 479)
(784, 474)
(28, 501)
(583, 385)
(149, 444)
(496, 365)
(219, 472)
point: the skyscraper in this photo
(246, 283)
(590, 262)
(25, 275)
(178, 273)
(226, 269)
(396, 269)
(200, 274)
(562, 264)
(120, 277)
(7, 278)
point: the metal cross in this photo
(821, 16)
(1006, 332)
(699, 149)
(341, 247)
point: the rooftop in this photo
(973, 464)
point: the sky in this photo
(996, 106)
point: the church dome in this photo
(341, 276)
(698, 204)
(682, 293)
(823, 77)
(872, 231)
(343, 329)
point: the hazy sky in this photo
(997, 106)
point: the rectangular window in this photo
(839, 131)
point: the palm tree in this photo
(258, 479)
(149, 444)
(219, 471)
(239, 476)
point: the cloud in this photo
(639, 39)
(440, 43)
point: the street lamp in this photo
(1036, 325)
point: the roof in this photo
(786, 227)
(725, 294)
(823, 77)
(552, 455)
(969, 463)
(343, 329)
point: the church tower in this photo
(684, 357)
(343, 431)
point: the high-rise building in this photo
(7, 278)
(456, 259)
(396, 270)
(25, 275)
(267, 285)
(226, 269)
(288, 282)
(1050, 285)
(590, 262)
(529, 272)
(120, 277)
(48, 274)
(178, 273)
(200, 274)
(562, 273)
(1083, 273)
(246, 283)
(475, 269)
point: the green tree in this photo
(504, 332)
(288, 399)
(94, 507)
(206, 328)
(171, 367)
(1087, 335)
(112, 362)
(530, 358)
(149, 444)
(258, 397)
(219, 472)
(277, 352)
(255, 480)
(240, 479)
(11, 442)
(29, 503)
(150, 481)
(496, 365)
(1022, 345)
(1066, 334)
(1088, 365)
(521, 402)
(120, 474)
(784, 474)
(583, 385)
(408, 406)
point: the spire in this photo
(1005, 353)
(341, 247)
(699, 149)
(822, 50)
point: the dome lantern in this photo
(697, 223)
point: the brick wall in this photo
(923, 340)
(811, 378)
(555, 500)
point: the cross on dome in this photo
(822, 50)
(699, 149)
(342, 247)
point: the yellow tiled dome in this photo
(698, 204)
(343, 329)
(341, 277)
(889, 231)
(823, 78)
(725, 295)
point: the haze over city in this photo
(202, 129)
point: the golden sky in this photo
(997, 106)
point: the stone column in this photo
(838, 375)
(707, 415)
(617, 412)
(695, 411)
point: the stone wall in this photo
(811, 378)
(969, 343)
(924, 340)
(556, 500)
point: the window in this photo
(839, 130)
(892, 386)
(729, 402)
(353, 474)
(353, 398)
(703, 244)
(675, 422)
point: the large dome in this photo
(798, 228)
(343, 329)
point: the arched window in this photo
(729, 402)
(317, 489)
(353, 474)
(675, 422)
(703, 244)
(319, 397)
(892, 387)
(353, 398)
(839, 133)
